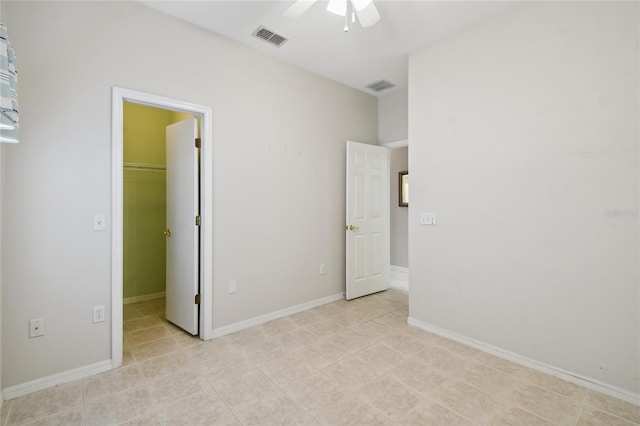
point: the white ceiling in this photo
(318, 43)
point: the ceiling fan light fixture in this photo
(339, 7)
(361, 4)
(298, 8)
(368, 16)
(364, 9)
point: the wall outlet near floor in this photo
(36, 327)
(98, 314)
(232, 287)
(323, 270)
(99, 222)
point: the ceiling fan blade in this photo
(298, 8)
(367, 15)
(339, 7)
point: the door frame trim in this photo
(119, 96)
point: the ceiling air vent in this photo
(380, 85)
(269, 36)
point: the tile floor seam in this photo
(297, 404)
(563, 397)
(482, 391)
(84, 414)
(223, 400)
(538, 415)
(577, 416)
(372, 407)
(6, 419)
(580, 412)
(583, 398)
(616, 415)
(452, 409)
(523, 380)
(437, 402)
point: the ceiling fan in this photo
(364, 9)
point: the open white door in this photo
(367, 219)
(182, 231)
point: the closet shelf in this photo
(145, 167)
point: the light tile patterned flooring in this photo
(344, 363)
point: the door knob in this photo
(167, 232)
(354, 228)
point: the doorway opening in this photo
(399, 216)
(123, 98)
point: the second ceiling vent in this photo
(269, 36)
(380, 85)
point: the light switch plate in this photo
(428, 218)
(36, 327)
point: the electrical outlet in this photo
(232, 287)
(428, 219)
(323, 270)
(99, 223)
(98, 314)
(36, 327)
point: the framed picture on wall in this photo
(403, 189)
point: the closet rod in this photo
(143, 166)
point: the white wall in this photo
(278, 171)
(398, 161)
(393, 126)
(524, 141)
(1, 182)
(393, 117)
(1, 171)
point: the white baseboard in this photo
(569, 376)
(56, 379)
(135, 299)
(399, 272)
(399, 269)
(231, 328)
(100, 367)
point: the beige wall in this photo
(1, 191)
(1, 172)
(278, 172)
(398, 161)
(524, 141)
(393, 117)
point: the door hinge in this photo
(197, 299)
(198, 142)
(198, 220)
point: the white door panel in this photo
(367, 239)
(182, 233)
